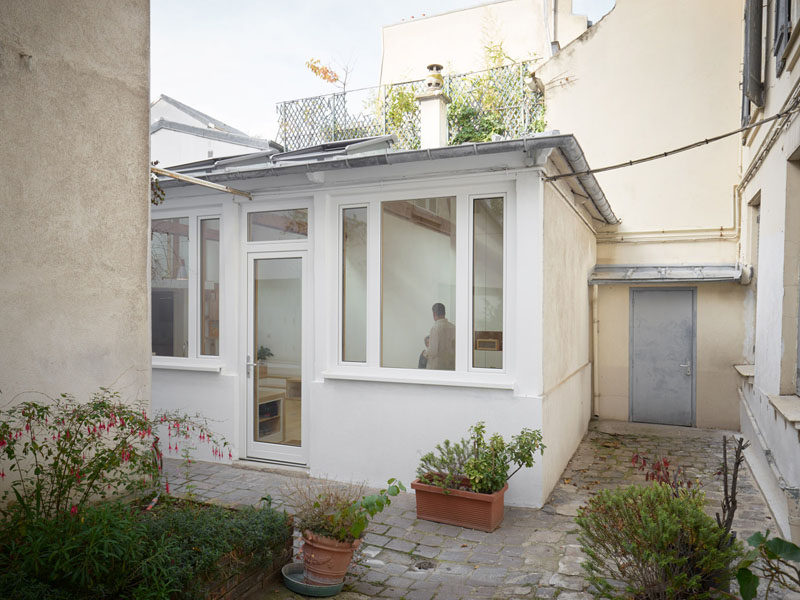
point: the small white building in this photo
(182, 134)
(334, 263)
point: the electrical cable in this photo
(637, 161)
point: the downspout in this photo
(595, 349)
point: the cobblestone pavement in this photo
(533, 554)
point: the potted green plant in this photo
(464, 483)
(333, 517)
(262, 354)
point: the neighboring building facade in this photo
(181, 134)
(333, 267)
(671, 312)
(769, 194)
(74, 199)
(458, 39)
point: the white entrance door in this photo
(278, 332)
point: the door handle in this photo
(688, 368)
(249, 364)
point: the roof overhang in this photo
(606, 274)
(340, 159)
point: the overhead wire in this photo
(697, 144)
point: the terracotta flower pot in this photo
(458, 507)
(326, 560)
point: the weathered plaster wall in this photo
(569, 251)
(640, 82)
(457, 39)
(74, 198)
(720, 345)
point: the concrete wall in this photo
(569, 250)
(74, 225)
(720, 345)
(771, 177)
(457, 39)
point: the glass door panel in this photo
(275, 384)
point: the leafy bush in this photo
(775, 559)
(658, 544)
(336, 510)
(113, 550)
(62, 453)
(477, 464)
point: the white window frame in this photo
(464, 375)
(194, 361)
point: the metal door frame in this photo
(633, 291)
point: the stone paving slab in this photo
(533, 554)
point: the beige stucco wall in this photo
(720, 345)
(74, 197)
(569, 255)
(646, 78)
(457, 39)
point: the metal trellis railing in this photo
(498, 95)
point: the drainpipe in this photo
(595, 348)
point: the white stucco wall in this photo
(171, 148)
(457, 39)
(368, 423)
(772, 178)
(74, 225)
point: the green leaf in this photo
(748, 583)
(783, 549)
(757, 539)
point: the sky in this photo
(234, 61)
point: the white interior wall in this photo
(419, 269)
(279, 304)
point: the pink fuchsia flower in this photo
(73, 510)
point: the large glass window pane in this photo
(277, 225)
(354, 284)
(209, 278)
(418, 283)
(487, 283)
(278, 336)
(169, 277)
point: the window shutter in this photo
(783, 29)
(752, 85)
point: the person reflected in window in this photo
(423, 356)
(442, 347)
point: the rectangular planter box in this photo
(457, 507)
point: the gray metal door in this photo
(662, 356)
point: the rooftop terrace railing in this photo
(493, 101)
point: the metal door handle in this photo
(249, 364)
(688, 368)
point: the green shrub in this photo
(478, 464)
(655, 543)
(113, 550)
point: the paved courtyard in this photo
(533, 554)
